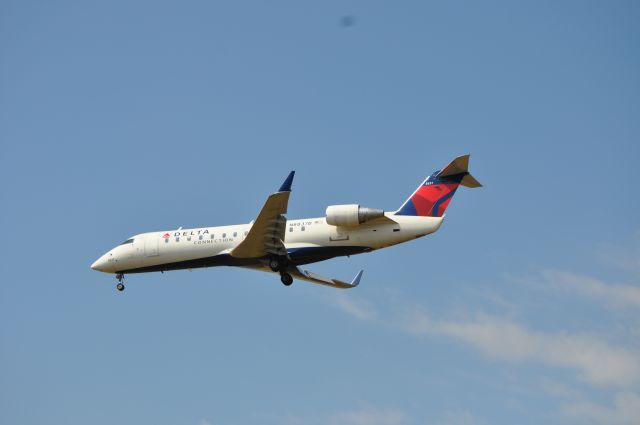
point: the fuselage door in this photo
(151, 241)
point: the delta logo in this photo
(166, 235)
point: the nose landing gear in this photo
(120, 285)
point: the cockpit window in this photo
(127, 241)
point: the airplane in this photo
(274, 244)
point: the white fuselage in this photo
(306, 241)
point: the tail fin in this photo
(432, 197)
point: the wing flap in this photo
(308, 276)
(267, 232)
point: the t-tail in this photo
(432, 197)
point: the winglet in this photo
(286, 186)
(356, 280)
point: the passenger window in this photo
(224, 235)
(212, 236)
(291, 229)
(189, 238)
(166, 240)
(177, 239)
(235, 234)
(200, 237)
(302, 228)
(246, 233)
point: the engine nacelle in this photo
(351, 215)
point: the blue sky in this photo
(123, 117)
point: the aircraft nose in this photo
(101, 265)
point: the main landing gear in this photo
(279, 264)
(275, 264)
(120, 285)
(286, 278)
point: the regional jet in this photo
(272, 243)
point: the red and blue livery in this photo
(432, 197)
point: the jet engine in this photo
(351, 215)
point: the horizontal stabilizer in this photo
(457, 167)
(470, 181)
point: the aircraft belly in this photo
(313, 254)
(195, 263)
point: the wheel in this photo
(120, 287)
(274, 264)
(286, 279)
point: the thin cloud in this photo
(626, 258)
(625, 410)
(358, 308)
(596, 361)
(458, 417)
(559, 389)
(369, 416)
(613, 294)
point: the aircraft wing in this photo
(321, 280)
(267, 233)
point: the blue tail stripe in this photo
(436, 205)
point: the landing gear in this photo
(286, 279)
(120, 285)
(274, 264)
(279, 264)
